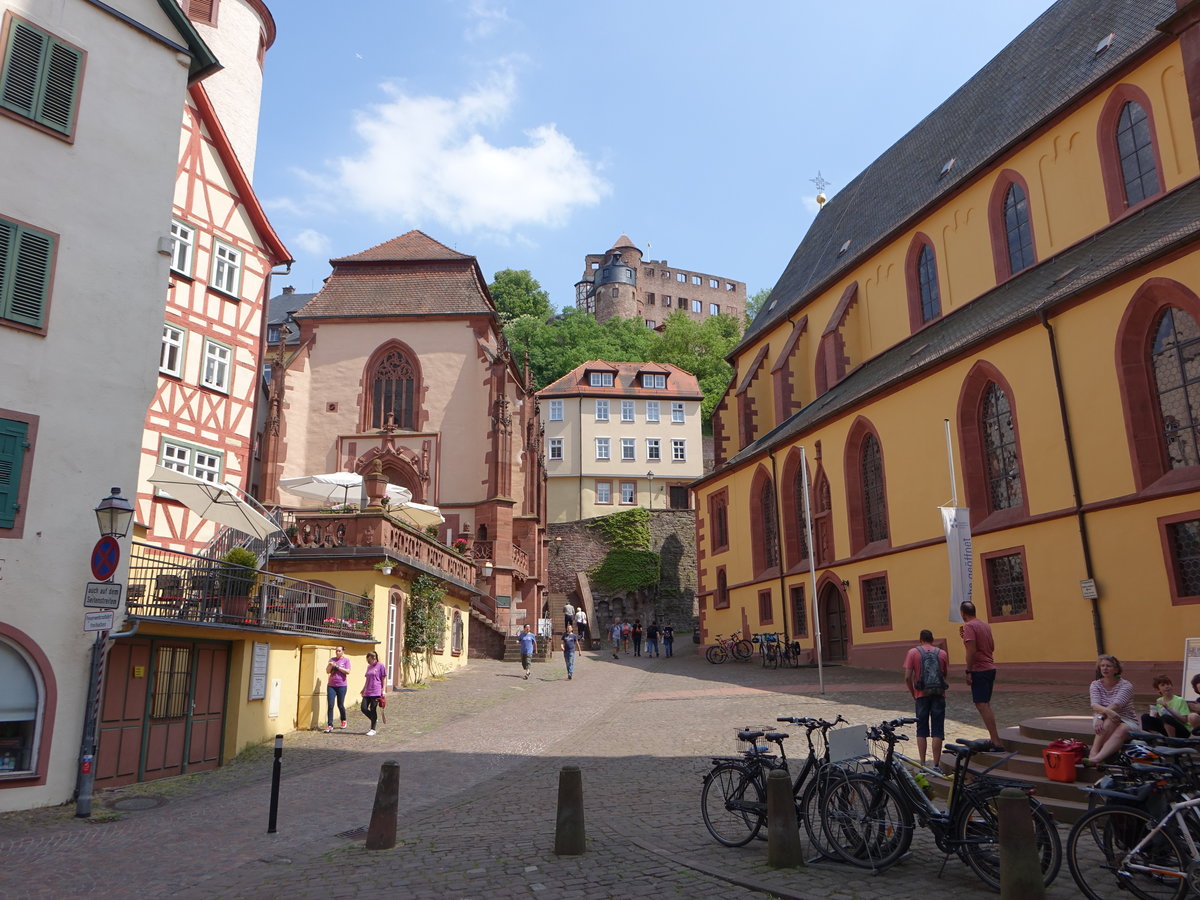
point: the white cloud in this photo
(312, 242)
(426, 160)
(486, 19)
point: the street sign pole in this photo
(87, 749)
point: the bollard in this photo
(381, 833)
(783, 833)
(276, 771)
(1020, 868)
(568, 832)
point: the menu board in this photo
(258, 672)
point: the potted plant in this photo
(292, 531)
(385, 566)
(237, 577)
(432, 531)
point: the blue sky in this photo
(533, 132)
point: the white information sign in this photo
(258, 672)
(102, 595)
(98, 621)
(1088, 587)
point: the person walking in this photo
(668, 639)
(637, 637)
(615, 633)
(626, 633)
(528, 643)
(568, 614)
(336, 669)
(925, 670)
(581, 627)
(652, 638)
(372, 692)
(570, 643)
(981, 668)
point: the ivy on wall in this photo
(630, 564)
(424, 615)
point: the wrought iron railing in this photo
(185, 588)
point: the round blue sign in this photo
(105, 557)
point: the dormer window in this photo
(600, 379)
(650, 380)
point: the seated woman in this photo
(1112, 708)
(1170, 713)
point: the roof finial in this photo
(821, 184)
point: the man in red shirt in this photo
(981, 668)
(930, 708)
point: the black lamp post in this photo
(650, 475)
(114, 515)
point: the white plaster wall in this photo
(90, 378)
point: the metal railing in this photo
(181, 587)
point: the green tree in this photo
(755, 303)
(517, 293)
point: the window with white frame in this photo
(601, 410)
(678, 449)
(556, 410)
(226, 269)
(628, 448)
(676, 411)
(627, 411)
(696, 279)
(628, 493)
(217, 358)
(653, 381)
(198, 462)
(697, 306)
(604, 492)
(600, 379)
(183, 245)
(556, 448)
(712, 283)
(602, 448)
(666, 299)
(653, 449)
(652, 407)
(170, 360)
(681, 278)
(714, 309)
(651, 324)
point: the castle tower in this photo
(609, 284)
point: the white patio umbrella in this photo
(216, 502)
(338, 487)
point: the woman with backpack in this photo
(925, 670)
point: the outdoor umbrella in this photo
(338, 487)
(218, 503)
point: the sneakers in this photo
(343, 723)
(569, 676)
(329, 729)
(526, 676)
(371, 733)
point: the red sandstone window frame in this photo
(766, 608)
(795, 537)
(1177, 597)
(973, 451)
(862, 602)
(721, 597)
(912, 280)
(997, 230)
(718, 517)
(989, 590)
(596, 492)
(797, 596)
(856, 490)
(1111, 174)
(761, 528)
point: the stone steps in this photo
(512, 650)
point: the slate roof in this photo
(1160, 228)
(1040, 71)
(681, 385)
(283, 305)
(411, 275)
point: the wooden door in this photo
(835, 635)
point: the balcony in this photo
(485, 551)
(180, 588)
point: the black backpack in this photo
(929, 679)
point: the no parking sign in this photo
(106, 555)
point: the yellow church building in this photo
(1001, 314)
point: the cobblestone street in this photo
(480, 754)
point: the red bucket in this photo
(1060, 764)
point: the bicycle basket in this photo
(761, 745)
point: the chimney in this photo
(289, 289)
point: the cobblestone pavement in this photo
(480, 754)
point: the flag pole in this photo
(812, 567)
(950, 463)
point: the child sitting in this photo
(1171, 714)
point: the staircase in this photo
(1027, 740)
(512, 650)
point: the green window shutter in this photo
(12, 455)
(25, 257)
(40, 78)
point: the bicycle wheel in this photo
(733, 805)
(716, 654)
(1100, 853)
(742, 650)
(976, 831)
(866, 822)
(810, 803)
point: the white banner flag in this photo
(956, 522)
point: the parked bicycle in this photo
(734, 646)
(733, 799)
(868, 818)
(768, 649)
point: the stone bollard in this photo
(381, 833)
(568, 832)
(1020, 868)
(783, 833)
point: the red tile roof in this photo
(681, 385)
(414, 245)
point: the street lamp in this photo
(650, 475)
(114, 515)
(487, 569)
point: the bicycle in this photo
(768, 649)
(1143, 840)
(733, 799)
(733, 646)
(868, 818)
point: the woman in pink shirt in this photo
(372, 690)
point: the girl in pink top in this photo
(1112, 708)
(372, 690)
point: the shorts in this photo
(931, 716)
(981, 685)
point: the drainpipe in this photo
(579, 441)
(1084, 543)
(787, 635)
